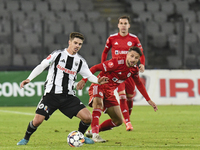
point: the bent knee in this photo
(118, 122)
(88, 119)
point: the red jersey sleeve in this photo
(106, 50)
(142, 58)
(109, 65)
(141, 87)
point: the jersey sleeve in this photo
(109, 65)
(44, 64)
(106, 50)
(141, 87)
(142, 58)
(85, 71)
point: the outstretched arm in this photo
(93, 69)
(36, 71)
(142, 89)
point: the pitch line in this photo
(17, 112)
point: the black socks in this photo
(30, 130)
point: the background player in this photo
(63, 68)
(119, 44)
(102, 96)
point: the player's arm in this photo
(91, 77)
(142, 58)
(106, 50)
(38, 69)
(142, 89)
(106, 66)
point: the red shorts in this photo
(104, 92)
(128, 85)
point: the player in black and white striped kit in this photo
(63, 68)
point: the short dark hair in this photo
(76, 35)
(137, 49)
(124, 17)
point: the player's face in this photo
(75, 45)
(123, 26)
(132, 58)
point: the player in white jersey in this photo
(63, 68)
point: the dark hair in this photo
(135, 48)
(124, 17)
(76, 35)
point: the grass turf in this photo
(170, 128)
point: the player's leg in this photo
(116, 119)
(96, 101)
(123, 106)
(72, 106)
(86, 119)
(130, 93)
(96, 113)
(43, 112)
(130, 98)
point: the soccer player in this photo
(102, 97)
(119, 44)
(63, 68)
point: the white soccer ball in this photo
(75, 139)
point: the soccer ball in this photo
(75, 139)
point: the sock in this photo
(124, 107)
(130, 104)
(107, 125)
(95, 120)
(83, 127)
(30, 130)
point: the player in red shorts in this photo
(119, 44)
(102, 97)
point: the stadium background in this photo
(169, 31)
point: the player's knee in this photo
(38, 119)
(88, 119)
(118, 122)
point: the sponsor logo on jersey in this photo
(110, 64)
(100, 93)
(76, 63)
(66, 70)
(46, 109)
(62, 60)
(129, 74)
(129, 43)
(120, 52)
(117, 80)
(121, 61)
(48, 57)
(116, 43)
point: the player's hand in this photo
(103, 80)
(24, 83)
(80, 85)
(153, 105)
(141, 68)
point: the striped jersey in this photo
(63, 70)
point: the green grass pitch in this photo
(170, 128)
